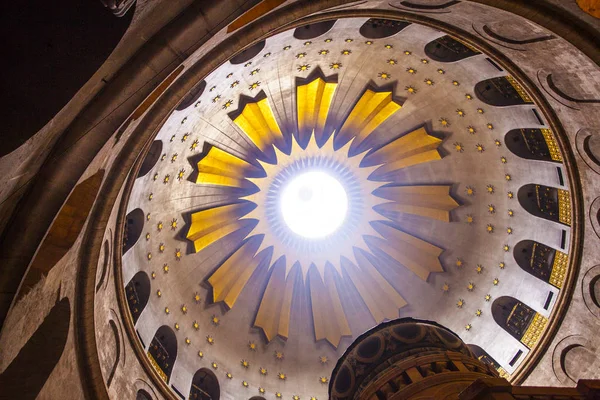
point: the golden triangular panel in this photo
(212, 224)
(427, 201)
(273, 315)
(313, 101)
(328, 315)
(368, 113)
(221, 168)
(417, 255)
(380, 297)
(259, 124)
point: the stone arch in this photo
(574, 358)
(530, 144)
(500, 92)
(512, 315)
(542, 201)
(142, 395)
(138, 293)
(377, 28)
(205, 386)
(192, 96)
(45, 70)
(134, 224)
(116, 336)
(591, 146)
(591, 290)
(535, 258)
(29, 371)
(103, 272)
(248, 54)
(151, 158)
(163, 351)
(63, 232)
(448, 49)
(312, 31)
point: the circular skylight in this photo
(314, 204)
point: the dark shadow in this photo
(312, 31)
(541, 201)
(53, 51)
(192, 96)
(138, 293)
(205, 386)
(484, 357)
(448, 49)
(591, 146)
(143, 395)
(151, 158)
(376, 28)
(499, 92)
(528, 143)
(248, 54)
(64, 231)
(535, 258)
(163, 349)
(134, 224)
(26, 375)
(418, 6)
(512, 315)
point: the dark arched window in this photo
(501, 91)
(376, 28)
(138, 293)
(512, 315)
(163, 351)
(192, 96)
(151, 158)
(257, 398)
(546, 202)
(485, 358)
(205, 386)
(142, 395)
(134, 223)
(448, 49)
(312, 31)
(540, 260)
(248, 54)
(532, 144)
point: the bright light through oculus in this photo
(314, 204)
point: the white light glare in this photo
(314, 204)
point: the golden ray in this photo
(259, 124)
(213, 224)
(313, 101)
(417, 255)
(413, 148)
(273, 315)
(221, 168)
(231, 277)
(368, 113)
(380, 297)
(427, 201)
(328, 315)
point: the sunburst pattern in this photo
(376, 204)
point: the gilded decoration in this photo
(564, 206)
(534, 331)
(293, 258)
(559, 269)
(519, 89)
(157, 368)
(552, 145)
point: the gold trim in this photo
(157, 367)
(564, 206)
(534, 331)
(559, 269)
(552, 145)
(522, 93)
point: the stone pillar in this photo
(409, 359)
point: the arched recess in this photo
(518, 319)
(377, 28)
(541, 261)
(151, 158)
(56, 65)
(142, 395)
(533, 144)
(448, 49)
(501, 91)
(138, 293)
(205, 386)
(257, 398)
(63, 232)
(546, 202)
(192, 96)
(485, 358)
(134, 224)
(312, 31)
(28, 372)
(591, 146)
(163, 351)
(248, 54)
